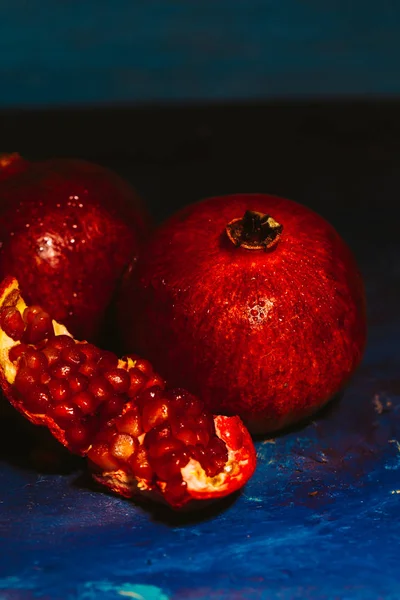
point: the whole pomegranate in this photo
(257, 299)
(69, 229)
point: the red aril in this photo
(69, 229)
(257, 299)
(129, 438)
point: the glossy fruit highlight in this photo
(69, 230)
(257, 299)
(139, 436)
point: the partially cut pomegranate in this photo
(139, 436)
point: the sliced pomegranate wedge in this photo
(139, 437)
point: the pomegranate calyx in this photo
(254, 231)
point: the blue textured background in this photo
(122, 51)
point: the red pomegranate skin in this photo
(68, 231)
(270, 335)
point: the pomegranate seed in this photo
(144, 366)
(140, 465)
(198, 453)
(192, 430)
(78, 382)
(216, 457)
(30, 312)
(34, 359)
(123, 446)
(112, 407)
(86, 402)
(184, 402)
(16, 351)
(40, 328)
(192, 437)
(213, 467)
(155, 381)
(72, 355)
(62, 370)
(26, 378)
(130, 423)
(12, 323)
(65, 414)
(175, 491)
(206, 421)
(164, 446)
(89, 369)
(154, 412)
(59, 390)
(52, 354)
(100, 388)
(119, 379)
(90, 351)
(217, 447)
(108, 360)
(170, 465)
(100, 456)
(79, 436)
(137, 382)
(203, 437)
(148, 395)
(157, 434)
(37, 399)
(61, 341)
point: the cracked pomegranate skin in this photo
(268, 334)
(68, 231)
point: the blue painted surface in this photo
(101, 51)
(320, 519)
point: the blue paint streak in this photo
(72, 52)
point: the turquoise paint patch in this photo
(106, 590)
(13, 583)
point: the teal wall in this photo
(73, 52)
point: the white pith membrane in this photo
(198, 482)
